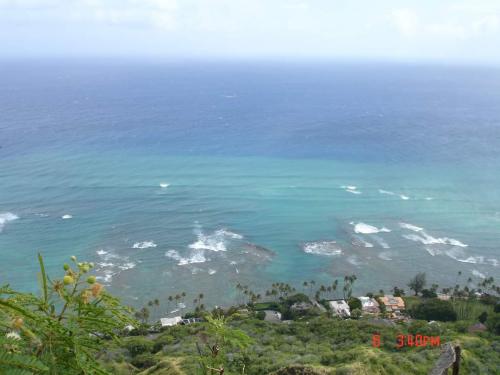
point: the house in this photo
(272, 316)
(129, 328)
(340, 308)
(191, 321)
(169, 322)
(301, 307)
(369, 305)
(443, 297)
(393, 305)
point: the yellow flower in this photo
(96, 289)
(17, 322)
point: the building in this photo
(272, 316)
(393, 305)
(340, 308)
(169, 322)
(369, 305)
(443, 297)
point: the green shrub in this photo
(138, 345)
(434, 309)
(354, 303)
(144, 360)
(493, 323)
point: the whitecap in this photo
(360, 241)
(478, 274)
(229, 234)
(385, 255)
(368, 229)
(351, 189)
(164, 185)
(66, 217)
(411, 227)
(432, 251)
(215, 241)
(354, 260)
(404, 197)
(5, 217)
(428, 198)
(211, 271)
(381, 242)
(493, 262)
(101, 252)
(426, 239)
(127, 266)
(322, 248)
(387, 192)
(196, 257)
(144, 245)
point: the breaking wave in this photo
(351, 189)
(322, 248)
(368, 229)
(5, 217)
(144, 245)
(196, 257)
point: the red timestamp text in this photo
(410, 341)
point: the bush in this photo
(138, 345)
(434, 309)
(144, 360)
(493, 323)
(427, 293)
(354, 303)
(483, 317)
(260, 315)
(356, 314)
(162, 341)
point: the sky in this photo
(424, 30)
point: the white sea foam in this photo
(404, 197)
(196, 257)
(426, 239)
(385, 255)
(229, 234)
(368, 229)
(127, 266)
(428, 198)
(411, 227)
(381, 242)
(101, 252)
(360, 241)
(5, 217)
(492, 261)
(66, 217)
(215, 241)
(164, 185)
(432, 251)
(211, 271)
(322, 248)
(351, 189)
(478, 274)
(387, 192)
(144, 245)
(354, 260)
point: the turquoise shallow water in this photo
(283, 184)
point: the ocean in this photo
(193, 177)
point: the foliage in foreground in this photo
(323, 345)
(61, 331)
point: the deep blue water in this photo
(254, 155)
